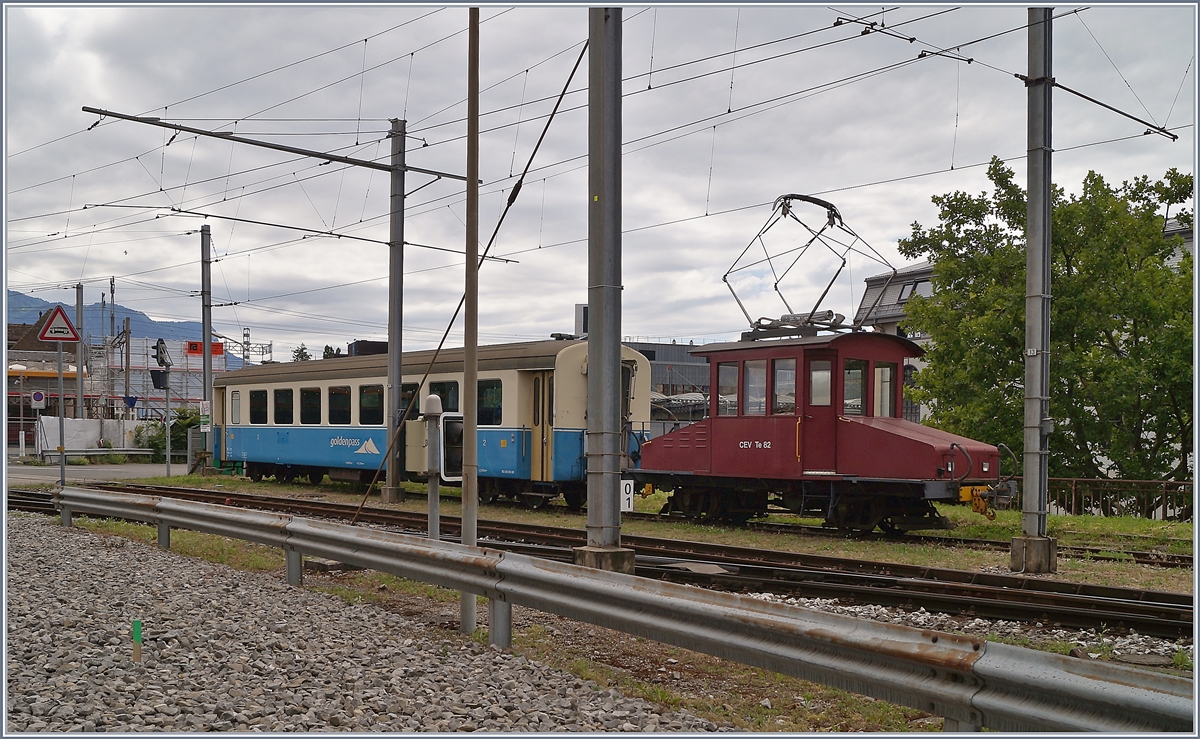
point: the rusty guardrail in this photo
(973, 683)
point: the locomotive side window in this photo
(448, 392)
(854, 387)
(820, 376)
(784, 402)
(258, 406)
(407, 391)
(310, 405)
(370, 405)
(885, 390)
(339, 405)
(283, 405)
(727, 389)
(235, 407)
(756, 387)
(490, 396)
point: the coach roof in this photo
(532, 355)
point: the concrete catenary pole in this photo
(392, 492)
(1032, 551)
(470, 391)
(81, 349)
(604, 296)
(206, 321)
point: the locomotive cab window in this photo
(370, 405)
(755, 390)
(820, 376)
(310, 405)
(490, 397)
(727, 389)
(339, 405)
(258, 406)
(235, 407)
(448, 392)
(283, 406)
(784, 396)
(854, 388)
(885, 390)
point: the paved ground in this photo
(19, 474)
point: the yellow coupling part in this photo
(979, 496)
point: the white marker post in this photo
(58, 329)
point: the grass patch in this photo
(238, 554)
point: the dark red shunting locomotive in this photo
(814, 424)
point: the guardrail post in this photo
(295, 567)
(500, 623)
(66, 516)
(164, 536)
(959, 727)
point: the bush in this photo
(78, 461)
(150, 435)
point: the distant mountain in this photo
(27, 309)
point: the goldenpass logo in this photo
(343, 441)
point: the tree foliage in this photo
(150, 435)
(300, 354)
(330, 352)
(1120, 324)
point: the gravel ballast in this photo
(229, 650)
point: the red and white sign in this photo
(58, 328)
(196, 348)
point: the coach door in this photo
(818, 452)
(542, 453)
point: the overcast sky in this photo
(810, 106)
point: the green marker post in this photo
(137, 641)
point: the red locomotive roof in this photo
(808, 341)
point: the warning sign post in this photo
(58, 328)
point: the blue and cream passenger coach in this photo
(328, 416)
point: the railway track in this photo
(984, 595)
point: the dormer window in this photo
(924, 288)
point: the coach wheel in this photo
(255, 473)
(316, 476)
(575, 499)
(533, 500)
(285, 476)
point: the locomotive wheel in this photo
(316, 476)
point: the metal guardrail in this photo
(971, 682)
(1154, 499)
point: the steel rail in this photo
(985, 595)
(971, 682)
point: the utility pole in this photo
(603, 548)
(1033, 551)
(128, 409)
(206, 323)
(470, 391)
(392, 492)
(112, 306)
(81, 348)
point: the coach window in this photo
(885, 390)
(854, 387)
(784, 402)
(370, 405)
(407, 391)
(448, 392)
(258, 406)
(490, 396)
(310, 405)
(339, 405)
(755, 390)
(727, 388)
(283, 406)
(819, 376)
(235, 407)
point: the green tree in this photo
(1120, 324)
(330, 352)
(150, 435)
(300, 354)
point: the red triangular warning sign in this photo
(58, 327)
